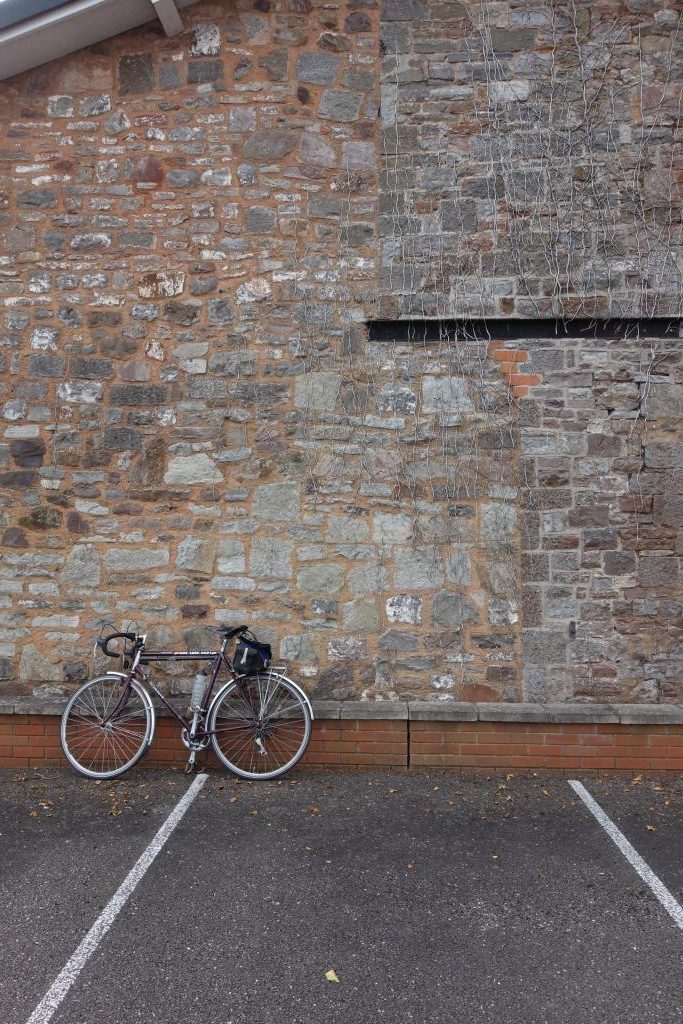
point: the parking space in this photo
(433, 897)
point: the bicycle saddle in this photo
(225, 632)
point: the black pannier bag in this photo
(252, 656)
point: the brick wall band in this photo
(33, 741)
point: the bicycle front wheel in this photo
(101, 740)
(260, 725)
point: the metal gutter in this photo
(73, 26)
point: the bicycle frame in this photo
(143, 657)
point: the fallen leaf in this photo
(651, 828)
(331, 976)
(636, 780)
(234, 799)
(33, 814)
(253, 813)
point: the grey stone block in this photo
(271, 145)
(326, 709)
(317, 68)
(442, 711)
(340, 105)
(649, 714)
(374, 710)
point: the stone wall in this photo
(531, 165)
(601, 498)
(197, 430)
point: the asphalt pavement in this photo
(433, 897)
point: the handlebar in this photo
(104, 642)
(139, 641)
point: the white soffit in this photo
(73, 26)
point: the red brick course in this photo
(33, 740)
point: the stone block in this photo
(27, 452)
(186, 470)
(230, 555)
(398, 640)
(134, 559)
(458, 568)
(136, 74)
(660, 571)
(349, 529)
(543, 647)
(270, 145)
(359, 156)
(271, 557)
(260, 220)
(277, 501)
(390, 528)
(91, 369)
(196, 554)
(317, 68)
(379, 710)
(140, 395)
(81, 567)
(317, 390)
(120, 439)
(35, 667)
(442, 711)
(320, 579)
(361, 614)
(445, 395)
(342, 648)
(499, 527)
(182, 313)
(404, 608)
(206, 41)
(340, 105)
(370, 579)
(314, 149)
(649, 714)
(660, 455)
(39, 198)
(406, 10)
(505, 40)
(418, 568)
(202, 71)
(451, 609)
(662, 400)
(80, 392)
(45, 365)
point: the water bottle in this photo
(198, 690)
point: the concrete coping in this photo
(430, 711)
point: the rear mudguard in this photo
(278, 675)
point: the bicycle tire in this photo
(104, 749)
(265, 707)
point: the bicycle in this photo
(258, 723)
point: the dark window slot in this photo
(513, 329)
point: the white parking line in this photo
(73, 967)
(669, 902)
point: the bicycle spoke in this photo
(268, 738)
(98, 744)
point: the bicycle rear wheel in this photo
(99, 740)
(260, 725)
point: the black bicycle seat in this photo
(225, 631)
